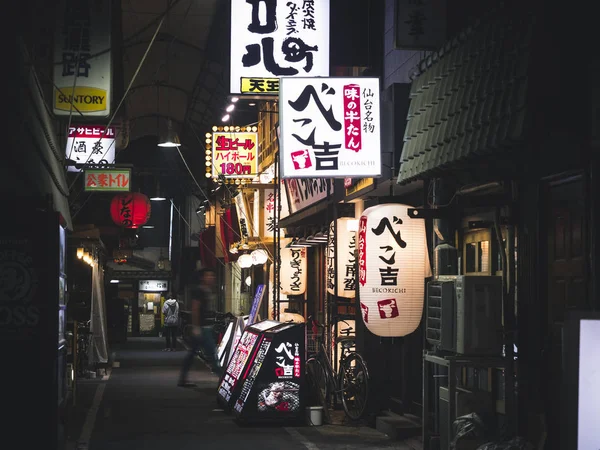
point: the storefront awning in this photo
(469, 100)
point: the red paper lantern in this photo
(130, 209)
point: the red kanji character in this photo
(103, 180)
(91, 180)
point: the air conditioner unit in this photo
(464, 314)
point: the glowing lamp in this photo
(345, 273)
(245, 261)
(393, 264)
(130, 209)
(292, 274)
(259, 257)
(79, 253)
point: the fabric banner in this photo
(99, 349)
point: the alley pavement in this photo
(138, 405)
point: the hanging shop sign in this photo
(234, 154)
(420, 25)
(302, 193)
(90, 144)
(107, 180)
(355, 186)
(270, 222)
(345, 274)
(393, 264)
(292, 278)
(82, 59)
(244, 217)
(272, 39)
(330, 127)
(130, 210)
(153, 286)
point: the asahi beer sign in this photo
(272, 39)
(18, 283)
(90, 145)
(330, 127)
(82, 58)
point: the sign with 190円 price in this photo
(234, 154)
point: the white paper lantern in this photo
(393, 264)
(245, 261)
(259, 257)
(346, 259)
(292, 274)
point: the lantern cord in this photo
(133, 78)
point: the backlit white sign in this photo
(330, 127)
(90, 144)
(83, 60)
(272, 39)
(153, 285)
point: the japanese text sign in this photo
(234, 155)
(345, 273)
(107, 180)
(272, 39)
(90, 144)
(265, 86)
(392, 266)
(82, 69)
(293, 269)
(330, 127)
(304, 193)
(269, 203)
(153, 286)
(420, 24)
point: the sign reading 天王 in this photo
(271, 39)
(330, 128)
(82, 59)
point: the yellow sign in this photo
(234, 155)
(85, 99)
(260, 86)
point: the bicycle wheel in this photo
(316, 379)
(354, 381)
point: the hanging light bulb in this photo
(245, 261)
(171, 139)
(79, 253)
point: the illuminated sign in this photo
(107, 180)
(234, 154)
(260, 85)
(271, 39)
(330, 127)
(90, 144)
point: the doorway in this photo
(564, 224)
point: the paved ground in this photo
(139, 406)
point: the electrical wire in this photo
(226, 187)
(137, 71)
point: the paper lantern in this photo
(393, 264)
(245, 261)
(292, 274)
(130, 209)
(259, 257)
(346, 259)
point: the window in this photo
(477, 253)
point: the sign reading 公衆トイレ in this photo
(107, 180)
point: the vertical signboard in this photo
(258, 297)
(330, 127)
(272, 39)
(82, 57)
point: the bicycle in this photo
(351, 383)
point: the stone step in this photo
(398, 427)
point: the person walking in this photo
(203, 300)
(171, 313)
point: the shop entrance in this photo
(149, 310)
(565, 222)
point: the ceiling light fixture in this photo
(230, 108)
(147, 226)
(225, 118)
(171, 139)
(234, 99)
(252, 104)
(158, 197)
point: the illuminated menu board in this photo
(236, 365)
